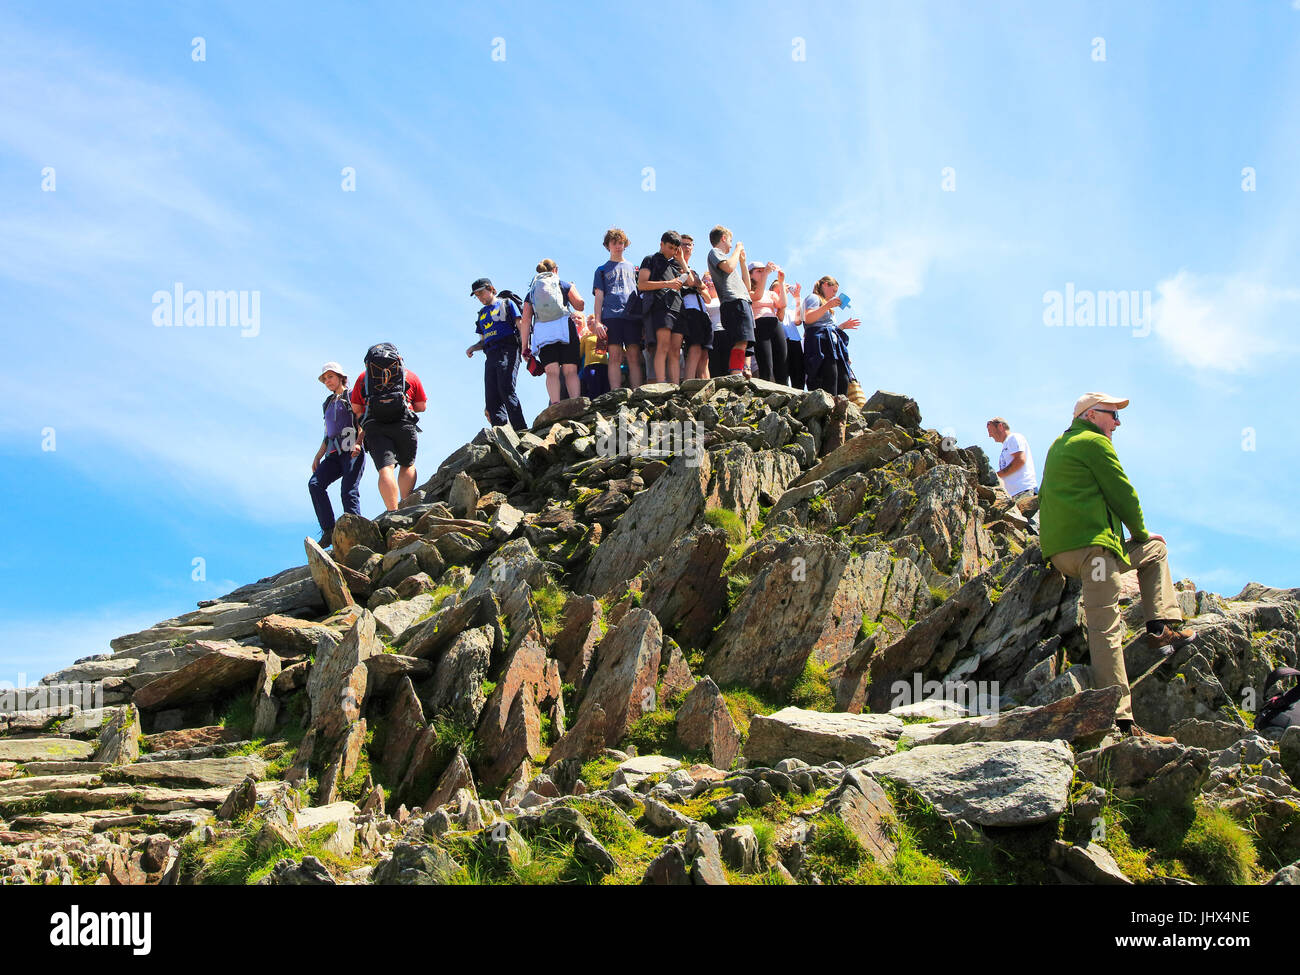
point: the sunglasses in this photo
(1114, 414)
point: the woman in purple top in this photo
(334, 458)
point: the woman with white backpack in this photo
(546, 329)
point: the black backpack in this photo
(385, 385)
(1282, 709)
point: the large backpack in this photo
(548, 302)
(384, 385)
(1282, 709)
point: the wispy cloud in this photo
(1224, 323)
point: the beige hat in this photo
(330, 367)
(1088, 400)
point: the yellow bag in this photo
(856, 395)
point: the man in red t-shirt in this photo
(391, 444)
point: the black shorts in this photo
(565, 353)
(697, 327)
(391, 443)
(623, 331)
(737, 321)
(661, 316)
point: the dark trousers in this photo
(769, 349)
(330, 469)
(719, 356)
(594, 380)
(794, 363)
(500, 370)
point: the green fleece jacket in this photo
(1085, 495)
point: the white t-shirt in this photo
(1023, 479)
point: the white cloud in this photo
(1223, 323)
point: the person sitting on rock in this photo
(1084, 501)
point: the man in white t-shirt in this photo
(1015, 466)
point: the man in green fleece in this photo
(1083, 502)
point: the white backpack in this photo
(544, 293)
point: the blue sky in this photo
(176, 444)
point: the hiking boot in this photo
(326, 539)
(1133, 731)
(1170, 639)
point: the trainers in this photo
(1170, 639)
(1136, 732)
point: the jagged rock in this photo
(1139, 767)
(1091, 864)
(455, 777)
(290, 636)
(864, 452)
(634, 771)
(241, 801)
(119, 739)
(685, 588)
(861, 802)
(668, 868)
(341, 841)
(44, 749)
(700, 849)
(309, 872)
(338, 679)
(986, 783)
(415, 864)
(397, 617)
(657, 517)
(168, 741)
(1288, 876)
(456, 687)
(206, 678)
(1213, 736)
(705, 724)
(427, 640)
(509, 729)
(329, 580)
(197, 773)
(627, 665)
(676, 677)
(575, 645)
(663, 819)
(1074, 681)
(351, 530)
(808, 597)
(463, 496)
(266, 706)
(385, 670)
(340, 760)
(1087, 714)
(818, 737)
(739, 848)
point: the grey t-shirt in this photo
(730, 286)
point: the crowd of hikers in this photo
(666, 321)
(661, 321)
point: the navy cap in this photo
(479, 285)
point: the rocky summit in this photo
(721, 633)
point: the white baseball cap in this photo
(331, 367)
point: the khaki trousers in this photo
(1098, 569)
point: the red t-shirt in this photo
(414, 389)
